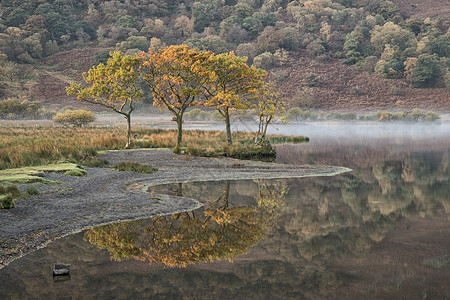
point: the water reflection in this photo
(220, 230)
(379, 232)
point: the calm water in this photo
(379, 232)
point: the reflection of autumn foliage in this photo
(180, 240)
(271, 200)
(219, 232)
(119, 239)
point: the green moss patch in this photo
(34, 174)
(76, 172)
(135, 167)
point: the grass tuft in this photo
(76, 172)
(8, 194)
(31, 190)
(132, 166)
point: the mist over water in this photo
(335, 130)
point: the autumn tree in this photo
(232, 84)
(113, 86)
(175, 75)
(269, 108)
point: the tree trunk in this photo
(265, 127)
(180, 129)
(228, 126)
(129, 140)
(260, 126)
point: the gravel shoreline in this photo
(107, 196)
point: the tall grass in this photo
(20, 147)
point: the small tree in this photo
(232, 84)
(76, 118)
(112, 85)
(269, 109)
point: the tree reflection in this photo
(219, 231)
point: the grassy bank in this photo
(21, 147)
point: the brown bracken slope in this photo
(346, 88)
(335, 92)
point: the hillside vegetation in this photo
(329, 55)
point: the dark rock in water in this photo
(61, 269)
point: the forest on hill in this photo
(323, 54)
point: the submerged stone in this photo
(61, 269)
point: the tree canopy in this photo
(175, 75)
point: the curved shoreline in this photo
(106, 196)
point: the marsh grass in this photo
(21, 147)
(207, 141)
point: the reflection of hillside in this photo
(387, 178)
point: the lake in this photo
(379, 232)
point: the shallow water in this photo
(379, 232)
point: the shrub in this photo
(399, 116)
(297, 114)
(13, 190)
(348, 116)
(7, 196)
(311, 80)
(14, 108)
(31, 190)
(431, 116)
(383, 116)
(389, 69)
(356, 91)
(416, 115)
(266, 61)
(95, 163)
(77, 118)
(242, 114)
(101, 56)
(7, 202)
(341, 116)
(132, 166)
(395, 91)
(197, 115)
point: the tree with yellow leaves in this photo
(269, 108)
(176, 76)
(112, 85)
(232, 84)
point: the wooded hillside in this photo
(323, 54)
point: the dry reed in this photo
(31, 146)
